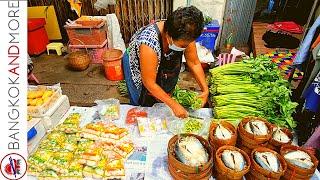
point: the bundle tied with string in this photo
(181, 171)
(78, 60)
(294, 172)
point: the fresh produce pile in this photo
(252, 87)
(187, 98)
(69, 152)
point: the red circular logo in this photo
(13, 166)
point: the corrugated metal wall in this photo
(238, 18)
(132, 14)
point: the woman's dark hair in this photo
(185, 23)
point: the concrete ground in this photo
(84, 87)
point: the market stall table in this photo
(150, 157)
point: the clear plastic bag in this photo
(108, 109)
(134, 113)
(149, 126)
(160, 110)
(190, 125)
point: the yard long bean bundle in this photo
(252, 87)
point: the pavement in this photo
(84, 87)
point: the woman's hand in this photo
(204, 97)
(194, 65)
(179, 111)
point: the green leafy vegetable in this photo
(187, 98)
(122, 88)
(192, 125)
(252, 87)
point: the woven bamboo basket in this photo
(215, 142)
(225, 173)
(79, 60)
(276, 145)
(181, 171)
(295, 172)
(251, 138)
(257, 172)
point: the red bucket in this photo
(112, 64)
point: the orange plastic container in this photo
(112, 64)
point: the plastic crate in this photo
(87, 35)
(209, 35)
(38, 111)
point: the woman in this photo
(153, 59)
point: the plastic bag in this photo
(160, 110)
(151, 126)
(108, 109)
(134, 113)
(190, 125)
(103, 4)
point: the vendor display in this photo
(97, 150)
(252, 87)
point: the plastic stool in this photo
(55, 46)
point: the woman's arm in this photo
(148, 66)
(194, 65)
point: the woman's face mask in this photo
(174, 47)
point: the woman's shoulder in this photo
(147, 35)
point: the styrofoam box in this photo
(52, 117)
(41, 131)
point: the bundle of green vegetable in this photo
(187, 98)
(252, 87)
(122, 87)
